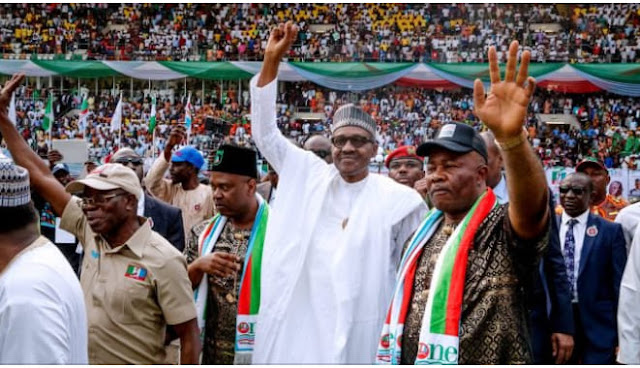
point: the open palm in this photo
(504, 108)
(7, 91)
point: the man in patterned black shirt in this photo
(233, 180)
(505, 247)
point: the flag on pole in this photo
(116, 119)
(84, 113)
(187, 114)
(152, 117)
(47, 122)
(12, 110)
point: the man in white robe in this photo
(332, 247)
(628, 312)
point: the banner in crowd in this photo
(622, 79)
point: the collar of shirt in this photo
(137, 241)
(501, 191)
(582, 219)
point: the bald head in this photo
(495, 159)
(321, 146)
(130, 159)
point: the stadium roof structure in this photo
(622, 79)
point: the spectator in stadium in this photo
(405, 166)
(43, 318)
(603, 204)
(320, 145)
(141, 285)
(183, 190)
(166, 220)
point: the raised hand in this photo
(7, 91)
(178, 135)
(504, 108)
(280, 40)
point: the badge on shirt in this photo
(136, 272)
(197, 207)
(592, 231)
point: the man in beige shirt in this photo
(134, 282)
(183, 190)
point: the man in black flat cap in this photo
(464, 271)
(217, 250)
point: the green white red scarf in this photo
(439, 334)
(249, 296)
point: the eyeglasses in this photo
(357, 141)
(322, 153)
(575, 190)
(99, 199)
(129, 160)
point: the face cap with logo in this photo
(109, 177)
(455, 137)
(235, 160)
(190, 155)
(407, 152)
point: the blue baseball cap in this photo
(190, 155)
(60, 167)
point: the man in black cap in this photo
(463, 272)
(217, 251)
(335, 238)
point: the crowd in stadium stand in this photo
(339, 32)
(609, 123)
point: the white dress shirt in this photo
(141, 205)
(501, 191)
(579, 230)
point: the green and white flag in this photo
(116, 119)
(47, 122)
(84, 113)
(152, 117)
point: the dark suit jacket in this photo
(602, 262)
(550, 303)
(167, 220)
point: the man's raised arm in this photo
(42, 181)
(504, 110)
(271, 143)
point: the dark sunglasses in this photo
(129, 160)
(357, 141)
(575, 190)
(321, 153)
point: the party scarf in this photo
(439, 334)
(249, 298)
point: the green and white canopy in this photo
(623, 79)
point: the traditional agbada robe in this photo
(325, 289)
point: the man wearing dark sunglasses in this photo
(135, 283)
(320, 145)
(166, 220)
(595, 255)
(334, 240)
